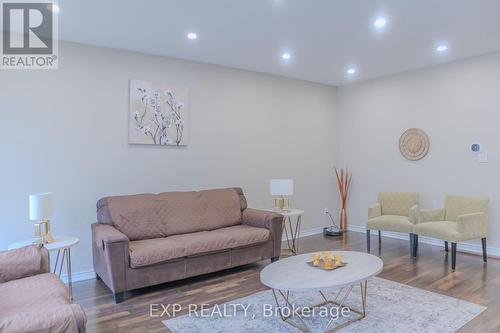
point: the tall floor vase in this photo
(344, 178)
(343, 219)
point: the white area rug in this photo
(391, 307)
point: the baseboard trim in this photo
(79, 276)
(468, 247)
(305, 233)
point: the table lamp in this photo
(41, 210)
(281, 188)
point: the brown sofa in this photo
(147, 239)
(31, 298)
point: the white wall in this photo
(455, 104)
(65, 131)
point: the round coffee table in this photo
(294, 274)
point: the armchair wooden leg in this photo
(453, 255)
(379, 239)
(368, 240)
(485, 255)
(416, 246)
(446, 246)
(412, 245)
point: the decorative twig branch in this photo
(344, 179)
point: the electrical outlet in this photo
(326, 211)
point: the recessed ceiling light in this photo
(351, 71)
(54, 8)
(380, 22)
(286, 56)
(192, 36)
(442, 48)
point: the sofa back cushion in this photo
(456, 205)
(145, 216)
(397, 203)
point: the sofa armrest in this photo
(374, 210)
(105, 234)
(67, 318)
(269, 220)
(431, 215)
(23, 262)
(261, 218)
(110, 249)
(472, 226)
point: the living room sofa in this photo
(32, 298)
(147, 239)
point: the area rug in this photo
(391, 307)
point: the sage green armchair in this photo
(394, 211)
(462, 218)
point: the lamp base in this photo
(45, 236)
(281, 203)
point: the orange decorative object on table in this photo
(328, 263)
(316, 259)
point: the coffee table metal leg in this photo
(339, 300)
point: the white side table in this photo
(61, 243)
(291, 225)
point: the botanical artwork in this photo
(158, 114)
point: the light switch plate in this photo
(482, 158)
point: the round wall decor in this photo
(414, 144)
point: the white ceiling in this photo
(324, 37)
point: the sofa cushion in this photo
(445, 230)
(32, 293)
(146, 216)
(395, 223)
(397, 203)
(154, 251)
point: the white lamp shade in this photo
(281, 187)
(41, 207)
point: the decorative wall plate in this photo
(414, 144)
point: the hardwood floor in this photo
(472, 281)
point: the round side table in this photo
(61, 244)
(291, 226)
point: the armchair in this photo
(33, 299)
(394, 211)
(462, 218)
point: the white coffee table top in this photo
(294, 274)
(60, 242)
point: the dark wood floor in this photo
(472, 281)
